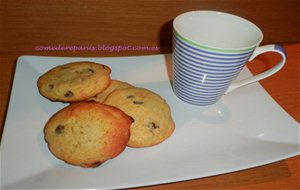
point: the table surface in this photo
(283, 87)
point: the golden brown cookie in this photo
(87, 133)
(152, 116)
(74, 81)
(113, 85)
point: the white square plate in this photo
(245, 129)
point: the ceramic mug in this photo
(209, 50)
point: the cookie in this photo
(87, 133)
(74, 81)
(113, 85)
(152, 116)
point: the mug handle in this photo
(260, 50)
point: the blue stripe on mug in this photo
(202, 78)
(196, 84)
(201, 90)
(199, 96)
(204, 54)
(236, 61)
(193, 101)
(207, 56)
(199, 80)
(199, 49)
(214, 62)
(183, 94)
(196, 90)
(198, 87)
(185, 66)
(199, 66)
(192, 90)
(196, 98)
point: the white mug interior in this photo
(217, 30)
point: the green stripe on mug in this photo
(211, 48)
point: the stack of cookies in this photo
(104, 115)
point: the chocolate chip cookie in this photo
(87, 133)
(74, 81)
(151, 113)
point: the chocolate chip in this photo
(91, 70)
(152, 125)
(59, 129)
(132, 119)
(138, 102)
(69, 94)
(51, 86)
(95, 164)
(78, 72)
(130, 96)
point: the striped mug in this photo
(209, 50)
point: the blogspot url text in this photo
(99, 47)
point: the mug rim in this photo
(214, 48)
